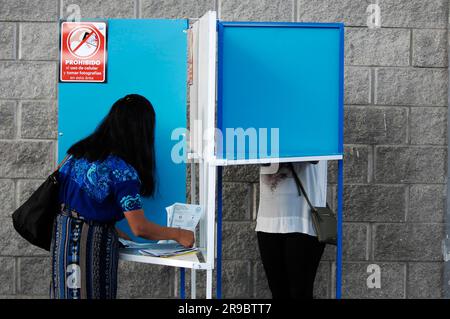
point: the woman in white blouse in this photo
(290, 251)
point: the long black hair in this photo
(128, 131)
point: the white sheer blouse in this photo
(281, 210)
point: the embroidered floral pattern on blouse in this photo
(123, 175)
(131, 202)
(97, 178)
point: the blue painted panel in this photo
(282, 75)
(146, 57)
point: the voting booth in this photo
(279, 86)
(279, 99)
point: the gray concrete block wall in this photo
(396, 86)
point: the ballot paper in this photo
(184, 216)
(166, 250)
(133, 244)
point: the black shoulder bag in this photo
(323, 218)
(34, 219)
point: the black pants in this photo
(290, 262)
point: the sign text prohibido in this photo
(83, 52)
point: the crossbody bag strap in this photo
(300, 188)
(62, 162)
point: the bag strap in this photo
(300, 187)
(62, 162)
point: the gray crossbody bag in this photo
(323, 218)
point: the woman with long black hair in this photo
(101, 182)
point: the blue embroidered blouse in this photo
(100, 190)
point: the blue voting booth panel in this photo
(281, 75)
(146, 57)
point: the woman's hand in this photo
(141, 227)
(185, 237)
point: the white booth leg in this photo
(193, 284)
(209, 284)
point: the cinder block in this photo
(323, 282)
(329, 254)
(392, 281)
(11, 244)
(241, 173)
(39, 119)
(428, 125)
(237, 201)
(39, 41)
(101, 9)
(7, 40)
(175, 9)
(8, 119)
(375, 203)
(351, 12)
(26, 159)
(332, 196)
(427, 203)
(138, 280)
(188, 182)
(410, 164)
(425, 280)
(397, 13)
(34, 276)
(356, 85)
(375, 125)
(408, 86)
(237, 277)
(255, 208)
(414, 13)
(355, 241)
(261, 286)
(239, 241)
(7, 190)
(27, 80)
(257, 10)
(30, 10)
(356, 165)
(7, 275)
(365, 46)
(429, 48)
(408, 242)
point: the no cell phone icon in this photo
(83, 42)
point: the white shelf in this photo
(183, 261)
(225, 162)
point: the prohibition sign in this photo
(83, 51)
(83, 42)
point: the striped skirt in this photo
(84, 258)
